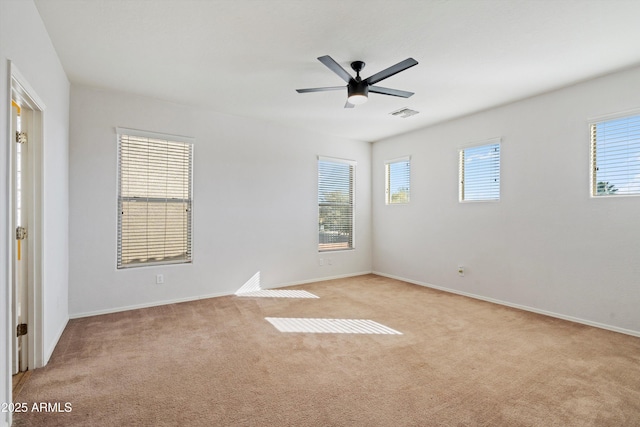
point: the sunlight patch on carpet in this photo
(271, 293)
(330, 326)
(253, 288)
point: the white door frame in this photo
(20, 90)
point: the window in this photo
(154, 198)
(615, 157)
(398, 180)
(480, 172)
(336, 183)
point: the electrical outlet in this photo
(159, 279)
(461, 270)
(321, 262)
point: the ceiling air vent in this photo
(404, 113)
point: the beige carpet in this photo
(218, 362)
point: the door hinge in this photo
(21, 330)
(21, 137)
(21, 233)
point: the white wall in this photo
(255, 204)
(24, 41)
(546, 245)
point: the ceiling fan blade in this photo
(320, 89)
(392, 92)
(394, 69)
(335, 67)
(348, 105)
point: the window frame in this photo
(387, 180)
(593, 166)
(121, 199)
(351, 243)
(461, 170)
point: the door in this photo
(20, 253)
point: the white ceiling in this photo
(247, 57)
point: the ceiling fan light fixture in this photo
(357, 99)
(358, 92)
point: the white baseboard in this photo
(319, 279)
(199, 297)
(518, 306)
(146, 305)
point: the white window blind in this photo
(615, 157)
(154, 200)
(480, 173)
(336, 181)
(398, 180)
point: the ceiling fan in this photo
(358, 89)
